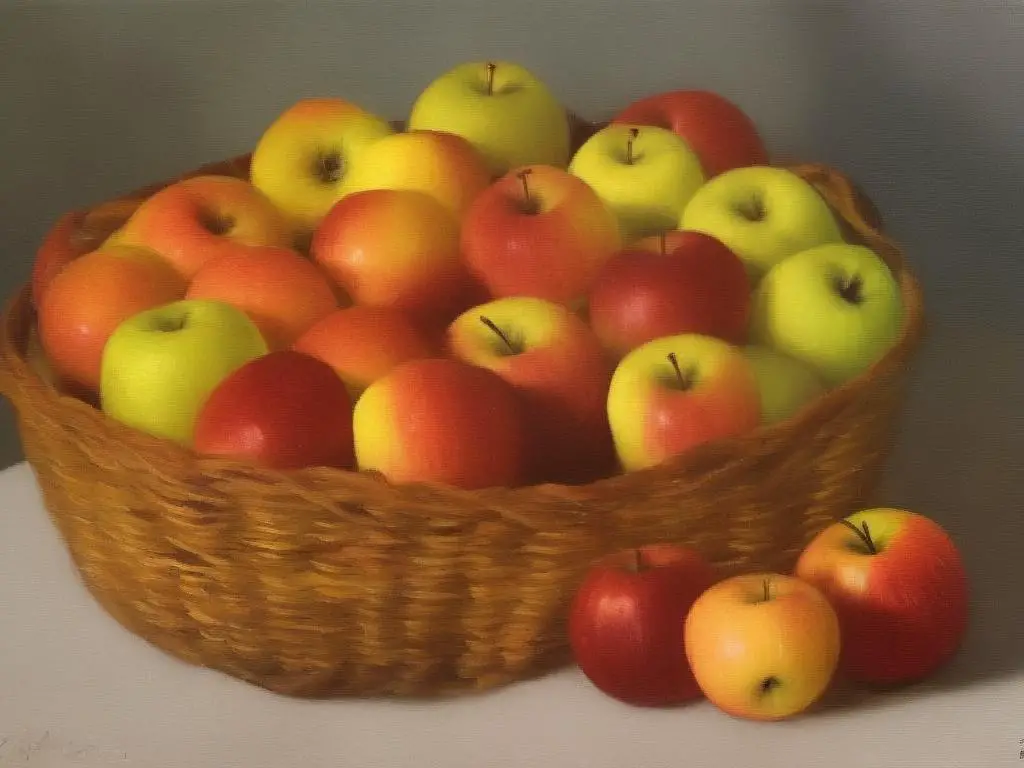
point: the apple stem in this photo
(638, 561)
(663, 241)
(685, 381)
(491, 66)
(523, 176)
(767, 591)
(500, 334)
(633, 133)
(864, 534)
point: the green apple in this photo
(763, 214)
(502, 109)
(646, 175)
(836, 307)
(160, 365)
(786, 385)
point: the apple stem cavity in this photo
(216, 223)
(850, 288)
(328, 167)
(752, 209)
(684, 379)
(510, 347)
(491, 67)
(633, 133)
(863, 534)
(529, 205)
(170, 324)
(768, 685)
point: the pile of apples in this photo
(878, 599)
(465, 300)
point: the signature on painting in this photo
(45, 749)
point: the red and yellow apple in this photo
(900, 589)
(719, 132)
(627, 619)
(539, 231)
(677, 392)
(561, 373)
(304, 157)
(699, 287)
(362, 344)
(282, 292)
(193, 220)
(443, 422)
(284, 410)
(441, 165)
(87, 300)
(762, 646)
(395, 248)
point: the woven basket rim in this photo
(18, 319)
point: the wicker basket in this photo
(324, 583)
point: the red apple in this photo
(899, 587)
(700, 287)
(55, 252)
(562, 375)
(538, 231)
(285, 410)
(626, 623)
(719, 132)
(444, 422)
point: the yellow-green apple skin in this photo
(786, 385)
(502, 109)
(837, 307)
(302, 159)
(159, 366)
(763, 214)
(645, 174)
(658, 408)
(762, 646)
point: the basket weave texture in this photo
(322, 582)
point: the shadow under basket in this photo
(322, 582)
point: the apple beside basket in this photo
(322, 582)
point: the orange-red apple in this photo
(284, 410)
(626, 623)
(90, 297)
(718, 131)
(283, 293)
(395, 248)
(193, 220)
(562, 375)
(539, 231)
(442, 165)
(443, 422)
(699, 287)
(54, 253)
(362, 344)
(762, 646)
(674, 393)
(900, 588)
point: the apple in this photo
(677, 392)
(193, 220)
(54, 253)
(836, 307)
(899, 587)
(561, 373)
(719, 132)
(538, 231)
(762, 646)
(302, 159)
(700, 287)
(786, 385)
(763, 214)
(443, 422)
(626, 623)
(395, 248)
(441, 165)
(160, 365)
(645, 175)
(87, 300)
(284, 410)
(282, 292)
(502, 109)
(363, 344)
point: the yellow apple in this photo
(763, 214)
(302, 159)
(645, 174)
(502, 109)
(786, 384)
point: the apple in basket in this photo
(899, 587)
(786, 384)
(626, 623)
(762, 646)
